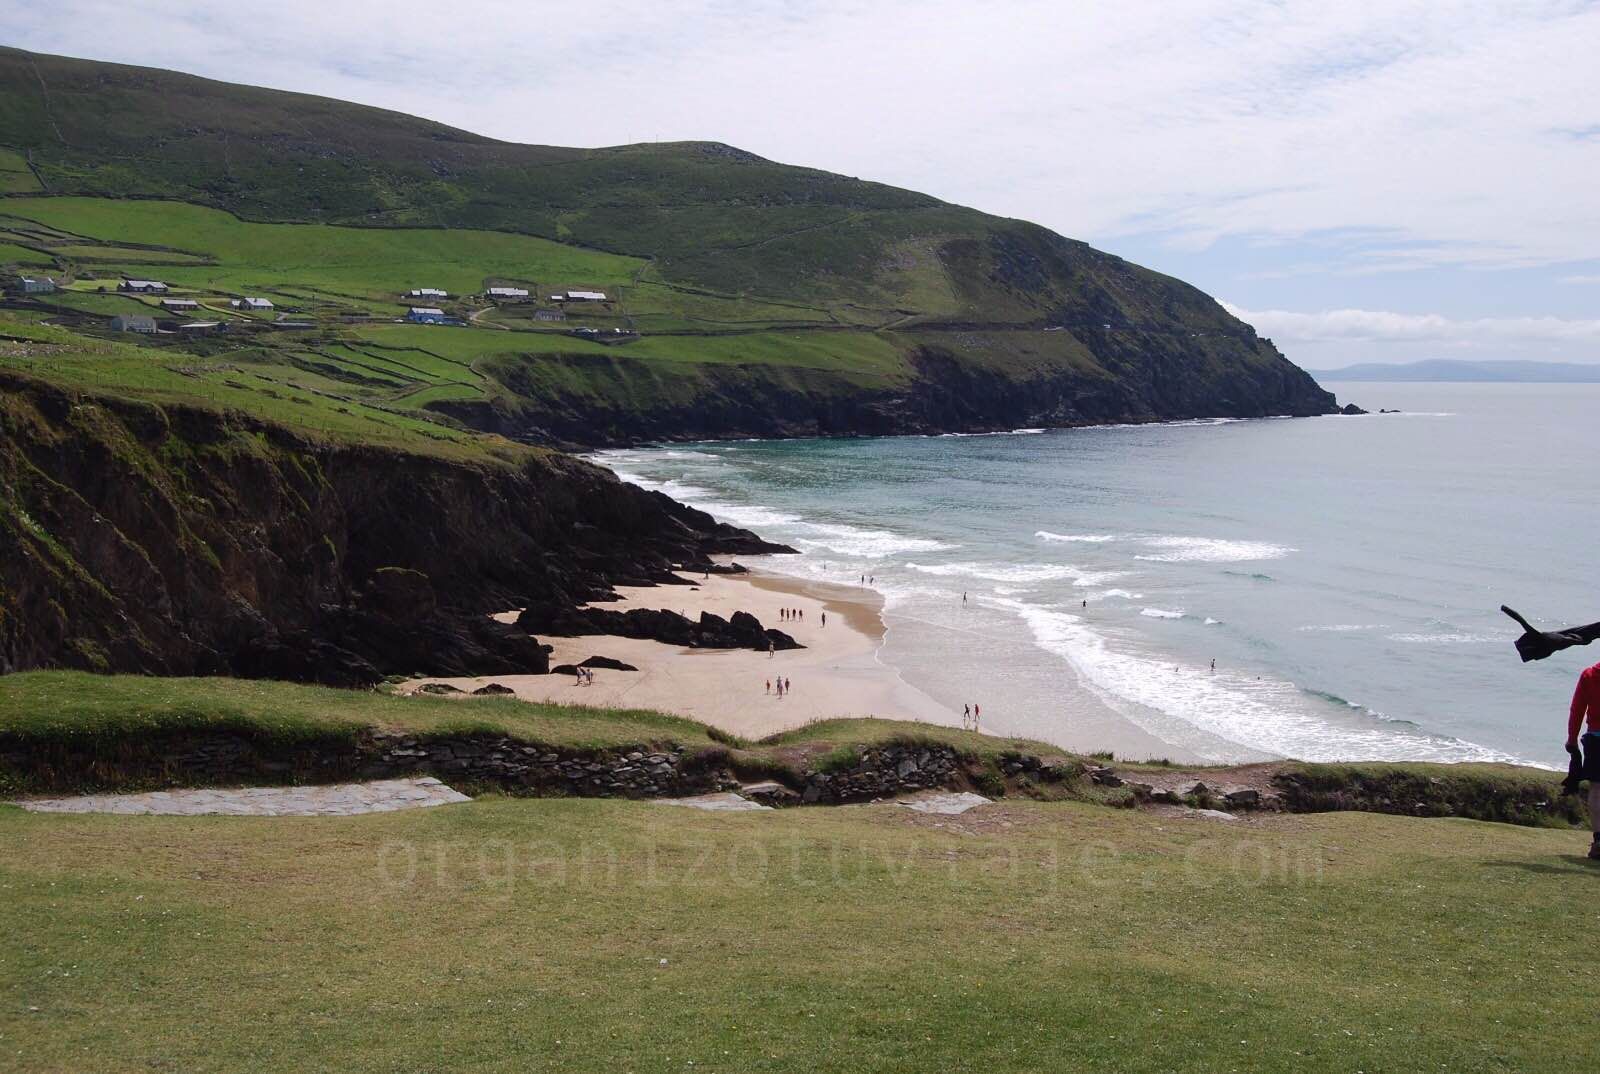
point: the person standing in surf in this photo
(1586, 710)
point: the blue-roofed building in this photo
(426, 315)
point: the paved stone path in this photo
(724, 802)
(945, 803)
(1209, 814)
(331, 800)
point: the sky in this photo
(1362, 181)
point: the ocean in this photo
(1344, 573)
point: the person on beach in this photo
(824, 618)
(1213, 663)
(577, 676)
(769, 649)
(963, 596)
(966, 717)
(780, 689)
(1586, 710)
(769, 686)
(977, 714)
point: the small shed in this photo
(144, 287)
(130, 323)
(179, 304)
(37, 285)
(426, 315)
(426, 292)
(508, 294)
(199, 328)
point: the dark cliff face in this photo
(178, 540)
(1137, 377)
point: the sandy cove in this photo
(837, 674)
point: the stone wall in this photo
(520, 768)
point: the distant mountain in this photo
(1508, 372)
(774, 300)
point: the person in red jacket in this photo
(1586, 710)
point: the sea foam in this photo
(1172, 699)
(1075, 538)
(1210, 550)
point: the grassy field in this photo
(271, 384)
(376, 264)
(608, 936)
(605, 935)
(359, 374)
(70, 704)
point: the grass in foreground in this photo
(609, 936)
(76, 704)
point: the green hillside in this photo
(744, 297)
(1031, 934)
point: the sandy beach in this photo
(837, 674)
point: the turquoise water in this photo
(1344, 573)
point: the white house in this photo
(586, 296)
(512, 294)
(426, 292)
(133, 324)
(153, 287)
(38, 285)
(257, 305)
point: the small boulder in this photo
(770, 792)
(1104, 777)
(437, 688)
(493, 689)
(607, 663)
(1243, 798)
(1210, 814)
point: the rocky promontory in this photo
(181, 540)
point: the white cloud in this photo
(1442, 132)
(1540, 334)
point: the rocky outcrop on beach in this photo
(740, 631)
(183, 540)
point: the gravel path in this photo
(331, 800)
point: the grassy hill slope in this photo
(976, 321)
(611, 935)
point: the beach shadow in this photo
(1572, 865)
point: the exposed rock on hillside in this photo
(180, 540)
